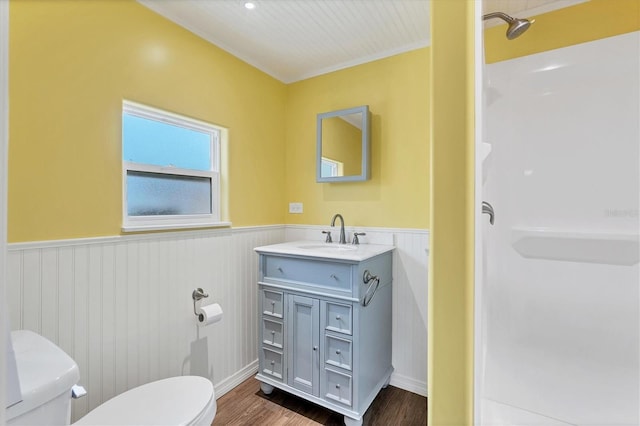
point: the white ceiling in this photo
(296, 39)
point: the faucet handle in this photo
(328, 239)
(355, 237)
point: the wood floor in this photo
(247, 405)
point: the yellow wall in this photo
(450, 358)
(73, 62)
(592, 20)
(396, 90)
(71, 65)
(342, 141)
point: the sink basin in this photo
(326, 250)
(328, 247)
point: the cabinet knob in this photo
(315, 348)
(334, 276)
(279, 269)
(338, 352)
(273, 303)
(273, 332)
(273, 362)
(338, 317)
(337, 386)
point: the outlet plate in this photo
(295, 208)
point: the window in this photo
(171, 170)
(331, 168)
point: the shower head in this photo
(516, 25)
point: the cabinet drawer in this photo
(311, 272)
(337, 387)
(272, 363)
(338, 352)
(272, 333)
(338, 317)
(272, 303)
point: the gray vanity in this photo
(325, 323)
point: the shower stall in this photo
(557, 277)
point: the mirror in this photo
(343, 145)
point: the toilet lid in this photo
(183, 400)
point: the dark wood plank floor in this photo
(247, 405)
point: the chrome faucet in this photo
(343, 239)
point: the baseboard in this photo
(232, 381)
(409, 384)
(397, 380)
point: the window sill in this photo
(168, 227)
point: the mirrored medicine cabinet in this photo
(343, 145)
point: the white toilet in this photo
(47, 375)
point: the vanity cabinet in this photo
(317, 338)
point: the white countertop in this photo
(333, 251)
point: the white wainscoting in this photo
(122, 307)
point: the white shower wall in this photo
(561, 298)
(122, 307)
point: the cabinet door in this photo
(303, 342)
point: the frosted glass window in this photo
(157, 194)
(171, 171)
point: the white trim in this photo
(234, 380)
(166, 170)
(336, 166)
(31, 245)
(157, 114)
(388, 236)
(4, 149)
(173, 225)
(243, 229)
(477, 277)
(363, 228)
(114, 239)
(409, 384)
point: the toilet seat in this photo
(182, 400)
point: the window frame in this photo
(335, 164)
(161, 222)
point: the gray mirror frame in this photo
(366, 145)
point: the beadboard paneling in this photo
(122, 307)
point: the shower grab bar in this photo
(488, 209)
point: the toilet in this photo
(48, 375)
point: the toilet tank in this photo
(46, 374)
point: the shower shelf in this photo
(577, 246)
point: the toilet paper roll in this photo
(209, 314)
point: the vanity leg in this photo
(348, 421)
(266, 388)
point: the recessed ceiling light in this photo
(249, 5)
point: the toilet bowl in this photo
(183, 400)
(47, 375)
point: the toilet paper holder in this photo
(197, 294)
